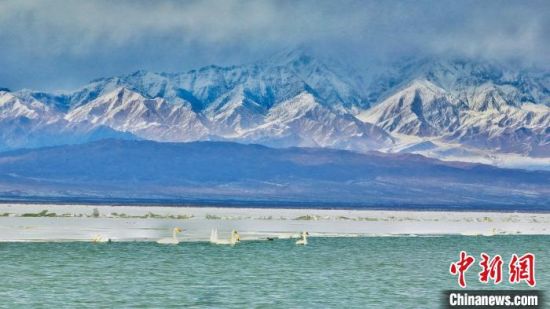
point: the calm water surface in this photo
(372, 272)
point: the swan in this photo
(303, 239)
(100, 239)
(171, 240)
(235, 238)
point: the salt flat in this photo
(48, 222)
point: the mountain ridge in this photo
(489, 110)
(148, 170)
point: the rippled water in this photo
(376, 272)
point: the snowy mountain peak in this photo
(485, 116)
(294, 108)
(128, 111)
(459, 75)
(123, 94)
(422, 86)
(421, 108)
(294, 98)
(12, 106)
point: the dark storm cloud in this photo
(62, 44)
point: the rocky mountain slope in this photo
(443, 108)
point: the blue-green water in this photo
(372, 272)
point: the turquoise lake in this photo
(362, 272)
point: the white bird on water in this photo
(303, 239)
(171, 240)
(235, 238)
(100, 239)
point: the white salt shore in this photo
(46, 222)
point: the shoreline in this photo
(51, 222)
(260, 205)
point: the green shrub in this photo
(43, 213)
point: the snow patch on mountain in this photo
(421, 108)
(482, 117)
(303, 121)
(128, 111)
(12, 106)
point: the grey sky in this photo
(62, 44)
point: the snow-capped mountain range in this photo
(454, 109)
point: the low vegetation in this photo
(96, 214)
(43, 213)
(307, 217)
(212, 217)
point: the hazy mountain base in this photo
(237, 174)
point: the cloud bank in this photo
(61, 44)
